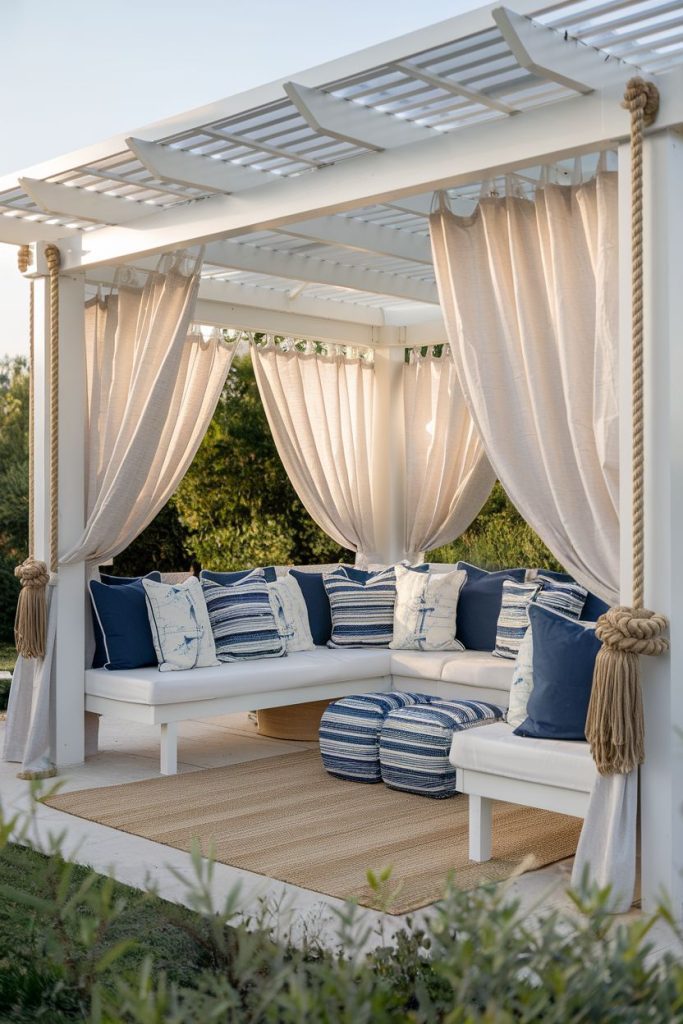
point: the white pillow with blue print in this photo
(179, 620)
(425, 610)
(291, 614)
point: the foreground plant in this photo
(92, 950)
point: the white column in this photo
(388, 455)
(70, 653)
(661, 812)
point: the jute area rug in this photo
(286, 818)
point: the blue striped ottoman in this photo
(349, 733)
(415, 743)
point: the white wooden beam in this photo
(453, 87)
(257, 260)
(352, 122)
(169, 164)
(21, 231)
(559, 58)
(364, 236)
(82, 203)
(583, 124)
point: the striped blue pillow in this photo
(513, 620)
(362, 611)
(563, 597)
(242, 620)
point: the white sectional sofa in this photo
(166, 698)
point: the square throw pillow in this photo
(593, 607)
(242, 619)
(522, 681)
(479, 605)
(291, 614)
(121, 615)
(425, 610)
(513, 620)
(317, 604)
(564, 653)
(565, 598)
(181, 631)
(362, 613)
(226, 578)
(100, 656)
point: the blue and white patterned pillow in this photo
(565, 598)
(362, 611)
(242, 619)
(513, 620)
(181, 631)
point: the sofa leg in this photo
(169, 748)
(480, 826)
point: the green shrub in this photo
(75, 946)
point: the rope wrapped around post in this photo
(615, 724)
(30, 624)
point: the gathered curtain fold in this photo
(320, 411)
(528, 290)
(151, 390)
(448, 476)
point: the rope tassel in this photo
(615, 726)
(30, 624)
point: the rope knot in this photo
(24, 258)
(642, 95)
(32, 573)
(633, 631)
(52, 258)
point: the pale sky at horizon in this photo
(77, 72)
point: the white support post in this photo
(169, 748)
(661, 812)
(480, 827)
(388, 456)
(69, 694)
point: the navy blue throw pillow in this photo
(121, 614)
(317, 604)
(479, 605)
(594, 606)
(113, 581)
(227, 578)
(564, 653)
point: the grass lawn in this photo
(8, 657)
(32, 986)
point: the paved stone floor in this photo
(130, 752)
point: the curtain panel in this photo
(151, 389)
(448, 476)
(529, 295)
(320, 411)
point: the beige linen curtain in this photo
(529, 295)
(448, 477)
(320, 411)
(152, 388)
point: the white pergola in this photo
(311, 196)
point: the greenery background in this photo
(235, 507)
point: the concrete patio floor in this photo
(130, 752)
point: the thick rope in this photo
(30, 624)
(615, 725)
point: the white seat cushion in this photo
(303, 668)
(495, 750)
(419, 664)
(478, 668)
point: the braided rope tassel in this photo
(615, 725)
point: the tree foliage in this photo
(13, 484)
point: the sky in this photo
(78, 72)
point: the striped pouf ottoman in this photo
(349, 733)
(415, 743)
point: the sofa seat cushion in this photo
(496, 750)
(478, 668)
(420, 664)
(304, 668)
